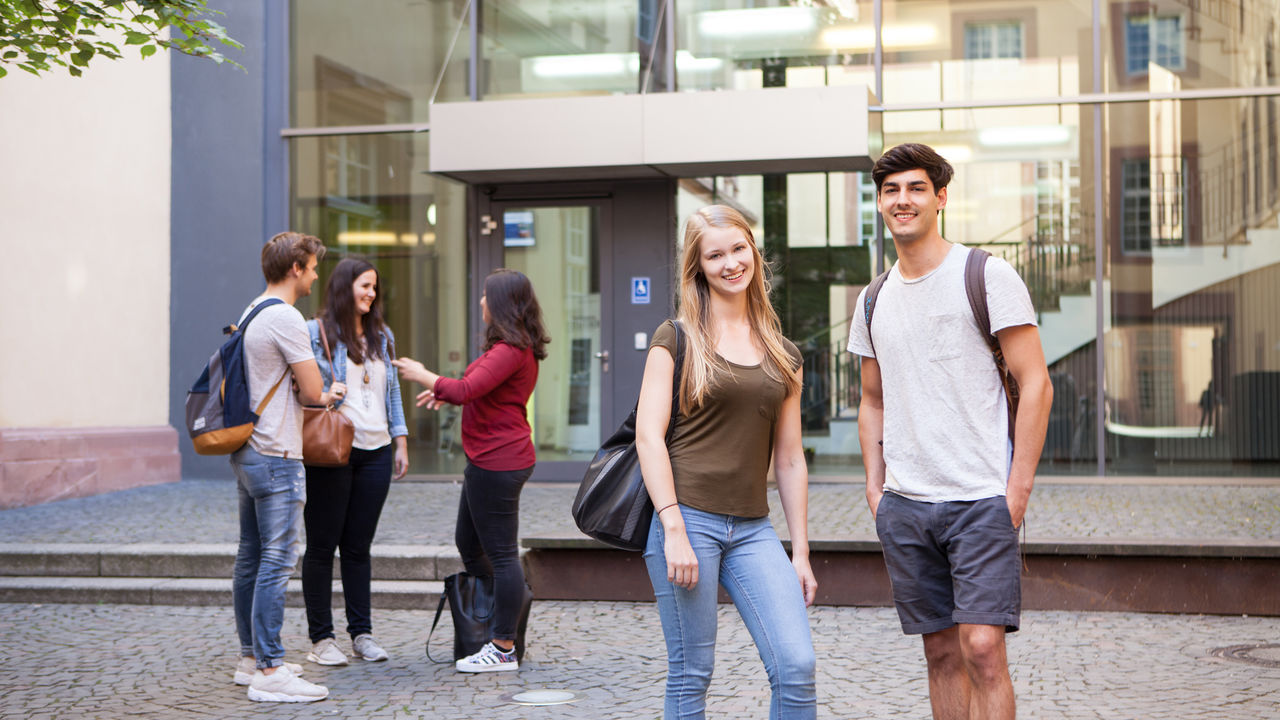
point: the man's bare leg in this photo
(987, 666)
(950, 688)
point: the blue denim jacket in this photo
(395, 407)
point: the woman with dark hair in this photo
(344, 503)
(496, 437)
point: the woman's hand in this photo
(400, 465)
(336, 392)
(682, 564)
(411, 369)
(428, 399)
(808, 583)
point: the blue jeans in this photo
(744, 556)
(272, 493)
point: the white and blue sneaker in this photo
(489, 659)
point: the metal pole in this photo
(877, 15)
(1099, 248)
(473, 58)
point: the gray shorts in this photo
(951, 562)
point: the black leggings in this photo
(486, 534)
(342, 510)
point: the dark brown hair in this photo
(515, 317)
(913, 156)
(285, 250)
(339, 311)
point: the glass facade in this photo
(1134, 183)
(371, 196)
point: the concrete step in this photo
(196, 560)
(386, 594)
(1128, 575)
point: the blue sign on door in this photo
(640, 294)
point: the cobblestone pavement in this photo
(122, 661)
(424, 512)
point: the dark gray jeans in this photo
(486, 535)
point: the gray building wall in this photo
(229, 193)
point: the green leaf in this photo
(3, 72)
(134, 37)
(75, 71)
(148, 50)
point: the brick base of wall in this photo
(38, 465)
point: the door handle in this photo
(603, 356)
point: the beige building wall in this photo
(84, 309)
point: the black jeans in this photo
(488, 523)
(342, 510)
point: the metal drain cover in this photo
(1262, 655)
(541, 697)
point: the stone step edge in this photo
(1109, 547)
(389, 594)
(198, 560)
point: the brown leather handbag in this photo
(326, 433)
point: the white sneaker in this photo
(247, 665)
(283, 686)
(364, 646)
(488, 659)
(326, 652)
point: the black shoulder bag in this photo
(613, 504)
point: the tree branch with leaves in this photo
(39, 35)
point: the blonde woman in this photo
(739, 408)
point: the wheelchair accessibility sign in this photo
(640, 290)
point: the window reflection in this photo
(1193, 354)
(370, 195)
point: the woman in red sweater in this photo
(493, 393)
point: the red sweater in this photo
(493, 393)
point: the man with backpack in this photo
(268, 468)
(949, 467)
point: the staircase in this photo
(405, 577)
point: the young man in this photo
(947, 492)
(269, 472)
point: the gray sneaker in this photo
(364, 646)
(283, 686)
(326, 652)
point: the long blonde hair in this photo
(701, 361)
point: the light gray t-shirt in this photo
(945, 418)
(276, 339)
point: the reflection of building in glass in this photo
(1127, 163)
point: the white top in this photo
(276, 339)
(945, 416)
(366, 403)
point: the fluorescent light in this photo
(1024, 136)
(686, 61)
(954, 153)
(588, 65)
(863, 37)
(734, 24)
(367, 238)
(585, 65)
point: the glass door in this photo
(558, 247)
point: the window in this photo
(1153, 204)
(1154, 39)
(993, 40)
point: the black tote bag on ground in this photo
(470, 601)
(612, 504)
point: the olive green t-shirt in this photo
(720, 453)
